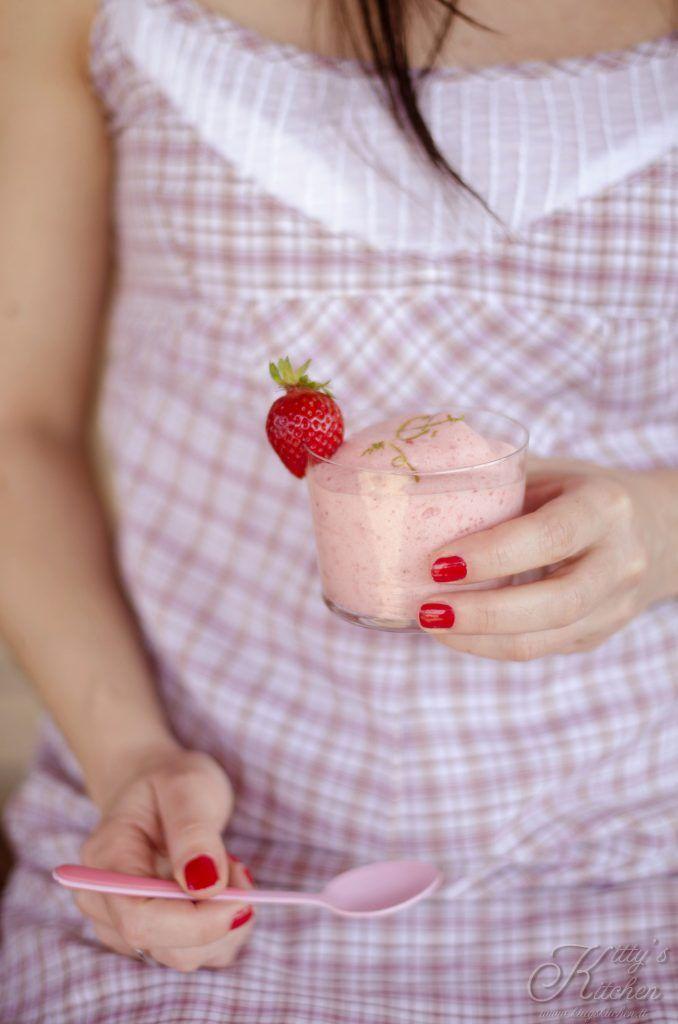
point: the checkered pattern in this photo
(545, 791)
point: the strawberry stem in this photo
(286, 377)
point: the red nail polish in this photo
(242, 917)
(236, 860)
(200, 873)
(448, 569)
(248, 875)
(436, 616)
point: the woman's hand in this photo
(166, 821)
(606, 543)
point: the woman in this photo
(499, 232)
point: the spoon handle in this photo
(75, 876)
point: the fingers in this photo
(108, 936)
(220, 953)
(118, 844)
(169, 823)
(223, 950)
(519, 647)
(216, 954)
(193, 808)
(561, 528)
(146, 922)
(585, 635)
(94, 906)
(143, 922)
(180, 935)
(557, 601)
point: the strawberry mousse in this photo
(396, 491)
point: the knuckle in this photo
(636, 567)
(208, 928)
(107, 843)
(105, 939)
(486, 620)
(226, 955)
(441, 638)
(175, 774)
(173, 778)
(525, 648)
(191, 962)
(207, 932)
(177, 960)
(92, 849)
(198, 764)
(575, 604)
(187, 830)
(625, 611)
(556, 537)
(133, 937)
(132, 931)
(617, 500)
(502, 554)
(198, 760)
(230, 956)
(83, 904)
(101, 933)
(87, 853)
(590, 642)
(178, 779)
(239, 938)
(237, 948)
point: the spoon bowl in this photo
(380, 888)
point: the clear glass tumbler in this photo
(376, 529)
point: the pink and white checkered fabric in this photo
(250, 224)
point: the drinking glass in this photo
(376, 529)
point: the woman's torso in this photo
(265, 205)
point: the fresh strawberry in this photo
(306, 416)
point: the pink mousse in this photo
(387, 500)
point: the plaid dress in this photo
(264, 205)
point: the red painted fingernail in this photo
(235, 859)
(436, 616)
(248, 875)
(200, 873)
(242, 917)
(448, 569)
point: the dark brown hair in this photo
(383, 32)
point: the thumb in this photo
(194, 806)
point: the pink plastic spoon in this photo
(380, 888)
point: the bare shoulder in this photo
(46, 34)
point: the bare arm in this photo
(61, 609)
